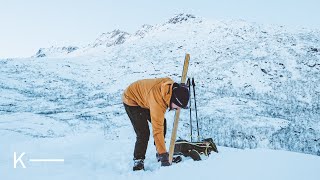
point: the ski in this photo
(177, 114)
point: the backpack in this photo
(195, 149)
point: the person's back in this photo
(139, 92)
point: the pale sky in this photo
(27, 25)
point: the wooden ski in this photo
(177, 114)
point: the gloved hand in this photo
(164, 158)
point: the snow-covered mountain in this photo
(55, 51)
(257, 85)
(113, 38)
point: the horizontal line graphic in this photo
(46, 160)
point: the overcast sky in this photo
(27, 25)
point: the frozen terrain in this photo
(89, 156)
(257, 87)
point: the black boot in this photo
(175, 159)
(138, 164)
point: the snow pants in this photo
(139, 118)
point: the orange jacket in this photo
(153, 94)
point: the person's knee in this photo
(143, 137)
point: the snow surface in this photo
(257, 87)
(91, 156)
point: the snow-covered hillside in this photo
(258, 84)
(257, 87)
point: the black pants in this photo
(139, 118)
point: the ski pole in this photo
(195, 106)
(189, 87)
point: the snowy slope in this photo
(257, 87)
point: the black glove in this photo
(164, 158)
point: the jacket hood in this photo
(166, 91)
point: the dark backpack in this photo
(195, 149)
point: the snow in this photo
(91, 156)
(257, 87)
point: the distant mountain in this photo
(113, 38)
(143, 31)
(116, 37)
(180, 18)
(55, 51)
